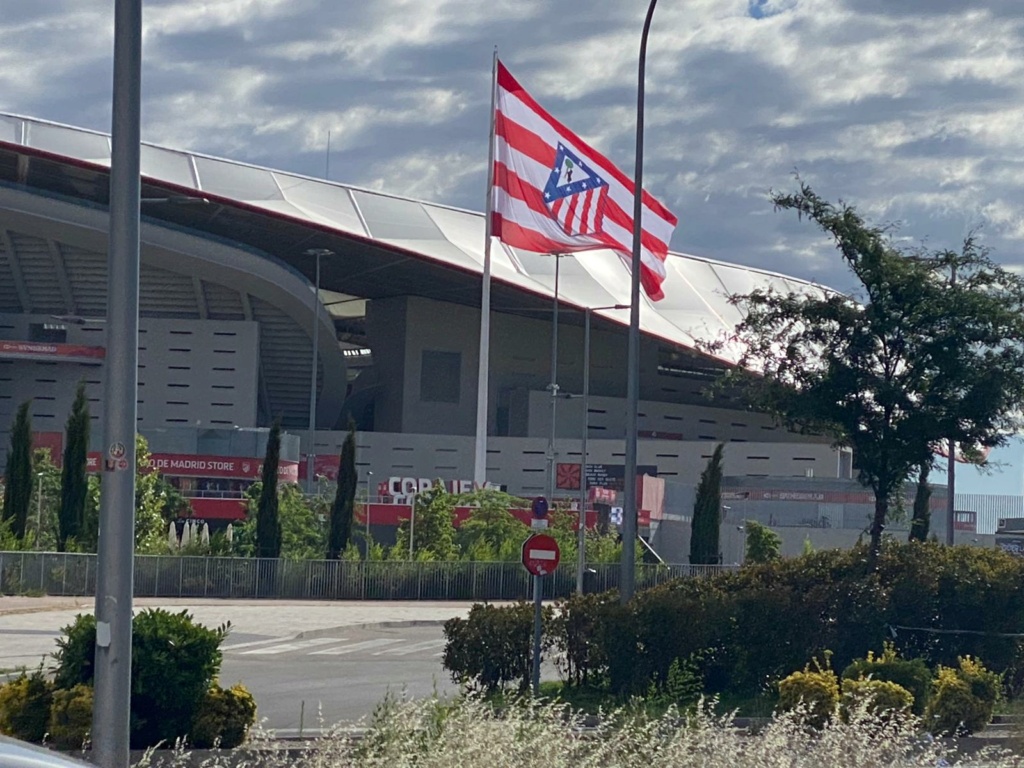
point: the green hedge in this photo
(753, 627)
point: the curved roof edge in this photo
(695, 308)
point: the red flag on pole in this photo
(553, 193)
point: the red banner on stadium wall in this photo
(52, 442)
(193, 465)
(323, 466)
(218, 509)
(34, 349)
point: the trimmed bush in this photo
(174, 663)
(913, 675)
(493, 646)
(880, 698)
(71, 717)
(575, 627)
(812, 693)
(962, 699)
(25, 706)
(224, 717)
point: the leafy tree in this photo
(914, 359)
(268, 523)
(41, 528)
(18, 475)
(922, 513)
(153, 503)
(302, 521)
(343, 508)
(74, 485)
(491, 531)
(433, 527)
(763, 544)
(707, 513)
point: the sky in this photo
(910, 110)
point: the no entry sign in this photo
(541, 554)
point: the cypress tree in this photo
(74, 485)
(268, 521)
(343, 507)
(707, 513)
(922, 513)
(18, 474)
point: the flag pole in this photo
(483, 368)
(627, 577)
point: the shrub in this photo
(71, 717)
(880, 698)
(224, 717)
(813, 694)
(493, 646)
(912, 675)
(75, 653)
(25, 706)
(174, 662)
(962, 699)
(575, 629)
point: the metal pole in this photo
(369, 474)
(627, 577)
(112, 688)
(951, 467)
(39, 511)
(483, 364)
(537, 632)
(581, 533)
(553, 387)
(310, 449)
(412, 525)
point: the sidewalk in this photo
(30, 626)
(264, 617)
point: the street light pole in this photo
(39, 509)
(627, 578)
(116, 550)
(310, 449)
(581, 533)
(369, 474)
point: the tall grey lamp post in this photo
(369, 475)
(581, 533)
(627, 577)
(116, 550)
(39, 509)
(311, 449)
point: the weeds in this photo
(470, 732)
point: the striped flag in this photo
(554, 194)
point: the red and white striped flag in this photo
(554, 194)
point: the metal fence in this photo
(67, 574)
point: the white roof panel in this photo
(10, 129)
(696, 290)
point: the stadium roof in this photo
(386, 245)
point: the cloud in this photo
(909, 110)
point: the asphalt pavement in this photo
(308, 664)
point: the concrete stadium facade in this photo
(227, 312)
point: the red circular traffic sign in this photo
(541, 554)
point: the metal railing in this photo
(73, 574)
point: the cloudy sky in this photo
(913, 110)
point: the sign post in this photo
(540, 557)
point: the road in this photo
(327, 677)
(308, 662)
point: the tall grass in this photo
(469, 733)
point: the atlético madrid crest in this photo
(575, 194)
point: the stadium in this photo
(229, 312)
